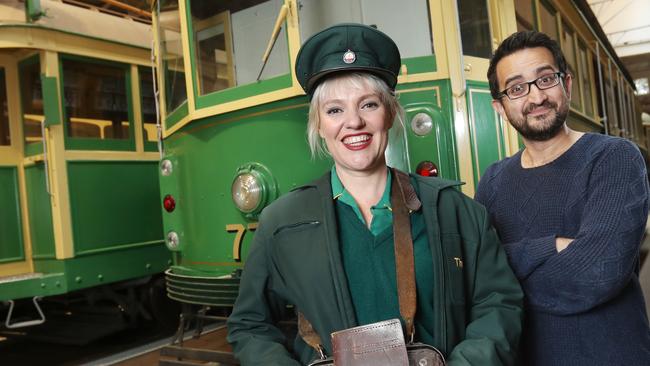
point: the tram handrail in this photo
(27, 323)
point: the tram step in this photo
(185, 354)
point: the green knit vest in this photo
(369, 263)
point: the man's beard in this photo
(546, 131)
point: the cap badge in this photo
(349, 57)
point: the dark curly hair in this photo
(519, 41)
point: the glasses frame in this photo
(560, 76)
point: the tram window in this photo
(628, 113)
(597, 83)
(95, 100)
(524, 13)
(147, 104)
(612, 113)
(569, 50)
(585, 79)
(31, 99)
(229, 40)
(5, 138)
(620, 122)
(625, 113)
(407, 22)
(475, 28)
(548, 21)
(172, 54)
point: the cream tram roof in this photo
(76, 20)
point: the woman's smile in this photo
(357, 141)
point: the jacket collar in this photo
(434, 185)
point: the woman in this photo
(326, 248)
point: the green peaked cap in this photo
(347, 47)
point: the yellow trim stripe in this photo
(47, 40)
(85, 155)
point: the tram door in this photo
(480, 31)
(14, 254)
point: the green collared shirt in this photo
(382, 214)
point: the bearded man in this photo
(570, 209)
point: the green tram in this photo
(80, 217)
(234, 117)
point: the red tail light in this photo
(427, 169)
(169, 203)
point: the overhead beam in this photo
(127, 7)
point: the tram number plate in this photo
(239, 231)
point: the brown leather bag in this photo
(382, 343)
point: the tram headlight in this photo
(247, 192)
(172, 240)
(252, 189)
(166, 167)
(422, 124)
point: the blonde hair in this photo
(355, 80)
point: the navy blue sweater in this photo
(584, 305)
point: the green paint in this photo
(33, 10)
(113, 204)
(11, 237)
(437, 146)
(50, 100)
(416, 65)
(244, 91)
(79, 273)
(486, 136)
(34, 148)
(40, 212)
(175, 116)
(44, 285)
(206, 156)
(115, 265)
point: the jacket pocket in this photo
(298, 226)
(299, 256)
(454, 266)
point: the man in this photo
(570, 209)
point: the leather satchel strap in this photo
(309, 335)
(403, 199)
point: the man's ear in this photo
(568, 81)
(498, 107)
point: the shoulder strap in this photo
(403, 199)
(310, 336)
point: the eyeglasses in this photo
(522, 89)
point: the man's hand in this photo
(562, 243)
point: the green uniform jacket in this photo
(295, 259)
